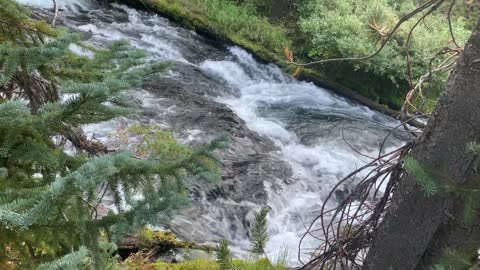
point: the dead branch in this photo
(450, 28)
(445, 66)
(346, 230)
(409, 38)
(345, 234)
(55, 10)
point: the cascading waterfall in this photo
(308, 125)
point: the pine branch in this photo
(74, 260)
(259, 231)
(224, 257)
(424, 179)
(42, 188)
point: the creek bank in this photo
(161, 250)
(164, 246)
(263, 55)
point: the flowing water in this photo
(307, 126)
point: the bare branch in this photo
(55, 9)
(346, 234)
(409, 38)
(449, 17)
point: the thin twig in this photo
(346, 235)
(449, 17)
(409, 38)
(55, 8)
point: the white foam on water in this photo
(317, 165)
(73, 5)
(37, 3)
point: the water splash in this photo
(308, 124)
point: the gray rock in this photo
(193, 254)
(179, 255)
(220, 209)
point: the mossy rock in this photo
(202, 264)
(188, 265)
(165, 240)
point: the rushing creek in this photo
(289, 137)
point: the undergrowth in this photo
(261, 264)
(224, 260)
(240, 23)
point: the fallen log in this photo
(154, 243)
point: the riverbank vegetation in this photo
(313, 30)
(156, 244)
(239, 23)
(54, 178)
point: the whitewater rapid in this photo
(274, 105)
(307, 124)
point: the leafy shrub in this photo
(354, 28)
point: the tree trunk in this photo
(417, 228)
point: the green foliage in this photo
(436, 182)
(260, 264)
(50, 200)
(259, 240)
(236, 264)
(259, 231)
(74, 260)
(424, 178)
(188, 265)
(345, 29)
(16, 25)
(163, 240)
(55, 200)
(239, 22)
(319, 29)
(224, 260)
(81, 259)
(137, 261)
(152, 141)
(31, 58)
(352, 28)
(470, 10)
(471, 198)
(224, 257)
(458, 260)
(108, 257)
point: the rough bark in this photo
(417, 228)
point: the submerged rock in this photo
(189, 109)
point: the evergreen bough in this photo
(259, 231)
(49, 200)
(436, 182)
(224, 256)
(259, 239)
